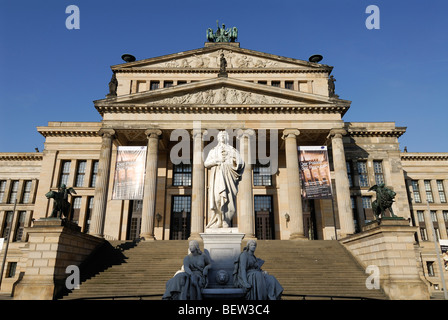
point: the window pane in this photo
(362, 173)
(94, 174)
(428, 191)
(14, 190)
(182, 175)
(64, 172)
(378, 170)
(2, 190)
(80, 174)
(416, 191)
(441, 191)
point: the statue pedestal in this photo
(223, 246)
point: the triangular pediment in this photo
(221, 91)
(209, 58)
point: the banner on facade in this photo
(444, 249)
(314, 172)
(129, 173)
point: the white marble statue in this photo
(226, 167)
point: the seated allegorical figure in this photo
(187, 283)
(248, 275)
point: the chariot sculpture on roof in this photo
(222, 34)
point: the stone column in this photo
(198, 186)
(150, 188)
(246, 214)
(341, 182)
(102, 184)
(294, 184)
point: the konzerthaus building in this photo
(276, 103)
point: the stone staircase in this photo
(323, 268)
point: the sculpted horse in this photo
(384, 200)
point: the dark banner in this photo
(314, 172)
(129, 173)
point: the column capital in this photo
(106, 132)
(337, 132)
(198, 131)
(245, 133)
(290, 133)
(153, 133)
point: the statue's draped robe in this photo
(260, 285)
(224, 179)
(180, 287)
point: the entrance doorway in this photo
(135, 219)
(264, 222)
(180, 218)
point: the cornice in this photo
(216, 70)
(397, 132)
(216, 109)
(22, 156)
(68, 133)
(424, 156)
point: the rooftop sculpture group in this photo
(222, 34)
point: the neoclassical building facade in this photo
(270, 105)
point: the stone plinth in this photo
(53, 245)
(223, 246)
(390, 247)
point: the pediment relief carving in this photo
(235, 60)
(223, 95)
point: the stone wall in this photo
(53, 246)
(389, 246)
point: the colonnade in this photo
(246, 216)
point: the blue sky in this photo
(397, 73)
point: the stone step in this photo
(302, 267)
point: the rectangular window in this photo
(182, 175)
(7, 225)
(378, 170)
(362, 173)
(2, 190)
(14, 190)
(262, 82)
(275, 84)
(88, 214)
(428, 191)
(416, 191)
(26, 191)
(167, 84)
(65, 171)
(445, 215)
(180, 217)
(20, 226)
(434, 216)
(154, 85)
(367, 206)
(441, 191)
(423, 234)
(289, 85)
(80, 173)
(181, 82)
(76, 208)
(349, 173)
(94, 173)
(430, 268)
(262, 175)
(11, 273)
(263, 217)
(420, 216)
